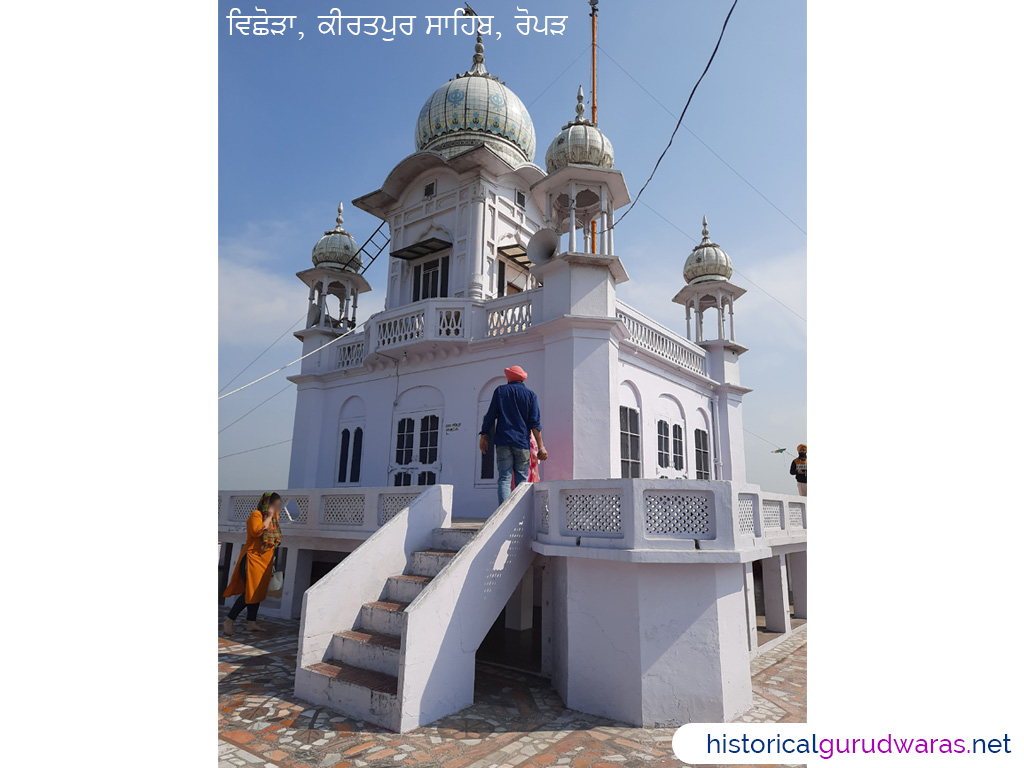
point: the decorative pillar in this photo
(748, 591)
(611, 227)
(475, 257)
(732, 322)
(776, 594)
(797, 567)
(603, 222)
(721, 317)
(572, 218)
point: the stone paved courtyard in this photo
(517, 719)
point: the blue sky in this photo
(306, 123)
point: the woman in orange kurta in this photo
(252, 571)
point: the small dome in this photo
(579, 142)
(708, 262)
(476, 108)
(337, 249)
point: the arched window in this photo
(350, 461)
(671, 437)
(350, 441)
(417, 449)
(629, 430)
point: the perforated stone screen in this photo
(746, 514)
(343, 510)
(771, 514)
(593, 512)
(687, 514)
(390, 504)
(243, 506)
(796, 514)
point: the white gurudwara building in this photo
(639, 565)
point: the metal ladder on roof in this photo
(374, 246)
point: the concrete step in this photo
(404, 588)
(382, 616)
(429, 562)
(361, 694)
(452, 538)
(367, 649)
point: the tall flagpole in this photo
(593, 98)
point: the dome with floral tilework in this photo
(476, 108)
(707, 262)
(579, 142)
(337, 249)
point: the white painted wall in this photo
(656, 644)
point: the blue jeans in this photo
(509, 459)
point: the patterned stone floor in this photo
(517, 720)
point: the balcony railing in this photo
(648, 335)
(346, 513)
(665, 514)
(444, 320)
(615, 514)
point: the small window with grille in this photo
(629, 434)
(430, 279)
(663, 443)
(702, 454)
(429, 189)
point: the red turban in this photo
(515, 373)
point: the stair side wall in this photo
(447, 622)
(333, 604)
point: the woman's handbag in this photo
(276, 587)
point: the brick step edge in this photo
(370, 637)
(364, 678)
(394, 606)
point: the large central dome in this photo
(476, 108)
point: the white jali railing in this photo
(407, 327)
(652, 337)
(768, 515)
(513, 314)
(451, 323)
(351, 355)
(335, 512)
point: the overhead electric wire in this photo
(681, 116)
(287, 386)
(558, 77)
(260, 448)
(261, 354)
(293, 362)
(706, 145)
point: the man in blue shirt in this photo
(513, 414)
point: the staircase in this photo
(389, 636)
(360, 674)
